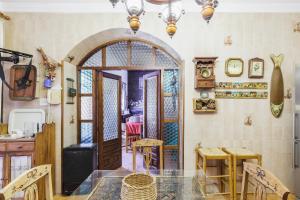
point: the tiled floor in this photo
(127, 161)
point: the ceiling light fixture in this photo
(170, 15)
(171, 12)
(134, 8)
(114, 2)
(208, 8)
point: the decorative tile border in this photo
(242, 85)
(241, 95)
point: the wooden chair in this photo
(147, 145)
(263, 180)
(27, 183)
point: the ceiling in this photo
(98, 6)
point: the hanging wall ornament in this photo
(277, 87)
(50, 68)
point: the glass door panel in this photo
(19, 164)
(152, 112)
(110, 109)
(1, 171)
(109, 139)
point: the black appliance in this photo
(79, 161)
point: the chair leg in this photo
(204, 171)
(230, 177)
(126, 144)
(234, 177)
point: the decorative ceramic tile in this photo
(240, 95)
(242, 85)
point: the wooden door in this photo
(109, 118)
(152, 125)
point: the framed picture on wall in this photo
(256, 68)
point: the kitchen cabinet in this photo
(16, 157)
(19, 155)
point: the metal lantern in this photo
(134, 8)
(208, 8)
(171, 14)
(114, 2)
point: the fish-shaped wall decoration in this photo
(277, 87)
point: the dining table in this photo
(171, 185)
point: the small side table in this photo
(205, 154)
(240, 154)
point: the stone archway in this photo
(87, 46)
(94, 41)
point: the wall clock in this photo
(234, 67)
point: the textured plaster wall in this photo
(253, 35)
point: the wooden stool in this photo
(205, 154)
(240, 154)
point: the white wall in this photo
(70, 110)
(253, 35)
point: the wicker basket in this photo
(139, 186)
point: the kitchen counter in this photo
(10, 139)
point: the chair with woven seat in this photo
(263, 180)
(27, 183)
(147, 146)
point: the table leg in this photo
(220, 166)
(259, 159)
(126, 143)
(230, 177)
(204, 171)
(234, 177)
(134, 159)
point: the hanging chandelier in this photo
(171, 12)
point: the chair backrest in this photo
(27, 183)
(147, 145)
(263, 180)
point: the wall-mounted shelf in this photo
(204, 72)
(204, 106)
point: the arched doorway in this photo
(141, 52)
